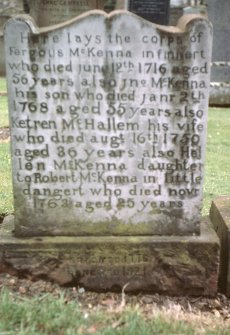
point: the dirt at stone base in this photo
(211, 309)
(4, 134)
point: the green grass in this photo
(4, 121)
(2, 84)
(6, 198)
(217, 167)
(59, 316)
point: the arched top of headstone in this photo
(183, 26)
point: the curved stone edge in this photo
(220, 217)
(166, 265)
(182, 27)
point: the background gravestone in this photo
(156, 11)
(47, 13)
(7, 9)
(3, 20)
(219, 15)
(176, 11)
(108, 117)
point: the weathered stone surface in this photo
(11, 7)
(219, 94)
(108, 121)
(3, 20)
(47, 13)
(219, 15)
(176, 11)
(170, 265)
(220, 217)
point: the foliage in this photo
(57, 315)
(2, 85)
(217, 172)
(4, 121)
(6, 198)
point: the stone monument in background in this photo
(7, 9)
(219, 15)
(156, 11)
(48, 13)
(108, 117)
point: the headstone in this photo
(7, 9)
(48, 13)
(11, 7)
(176, 11)
(108, 117)
(156, 11)
(219, 15)
(108, 128)
(3, 20)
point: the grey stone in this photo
(169, 265)
(219, 15)
(48, 13)
(220, 217)
(108, 120)
(3, 20)
(219, 94)
(11, 7)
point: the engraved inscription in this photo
(108, 126)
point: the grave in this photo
(108, 116)
(48, 13)
(176, 11)
(220, 71)
(156, 11)
(3, 20)
(7, 9)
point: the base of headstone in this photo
(219, 94)
(220, 217)
(168, 265)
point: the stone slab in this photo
(156, 11)
(48, 13)
(220, 72)
(219, 15)
(220, 217)
(11, 7)
(219, 94)
(108, 119)
(169, 265)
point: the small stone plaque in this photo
(108, 119)
(156, 11)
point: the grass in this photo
(6, 198)
(217, 171)
(2, 84)
(59, 316)
(4, 122)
